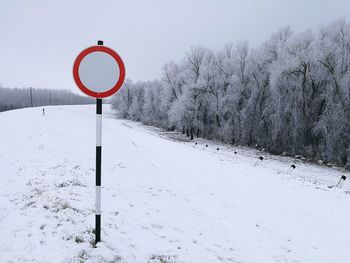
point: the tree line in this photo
(290, 95)
(14, 98)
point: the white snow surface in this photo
(162, 200)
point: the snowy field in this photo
(162, 200)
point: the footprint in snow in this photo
(174, 240)
(115, 213)
(178, 230)
(157, 226)
(120, 165)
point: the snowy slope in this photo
(162, 201)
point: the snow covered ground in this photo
(162, 200)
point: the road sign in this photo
(99, 71)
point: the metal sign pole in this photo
(98, 166)
(98, 169)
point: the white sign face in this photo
(99, 71)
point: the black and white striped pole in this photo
(99, 72)
(98, 165)
(98, 169)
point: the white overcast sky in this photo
(41, 39)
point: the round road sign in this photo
(98, 71)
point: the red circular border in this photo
(85, 89)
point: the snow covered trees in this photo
(289, 95)
(333, 57)
(26, 97)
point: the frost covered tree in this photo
(289, 95)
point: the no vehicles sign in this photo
(99, 71)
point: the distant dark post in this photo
(31, 96)
(341, 181)
(98, 165)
